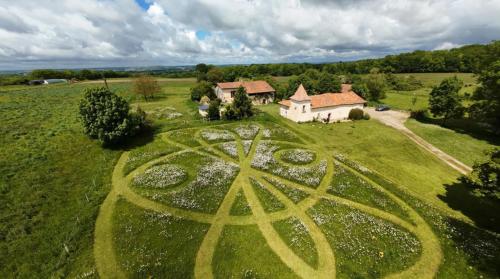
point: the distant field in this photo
(403, 99)
(432, 79)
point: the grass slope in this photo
(462, 146)
(53, 181)
(54, 178)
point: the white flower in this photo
(247, 131)
(229, 148)
(246, 146)
(298, 156)
(216, 135)
(160, 176)
(264, 159)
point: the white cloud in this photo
(118, 32)
(446, 45)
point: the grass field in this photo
(462, 146)
(55, 179)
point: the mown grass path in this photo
(108, 267)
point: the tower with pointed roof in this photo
(300, 104)
(326, 107)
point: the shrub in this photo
(356, 114)
(230, 113)
(105, 116)
(201, 89)
(213, 112)
(366, 116)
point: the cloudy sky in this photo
(97, 33)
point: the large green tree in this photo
(328, 83)
(375, 82)
(295, 82)
(215, 75)
(242, 105)
(105, 116)
(445, 101)
(486, 106)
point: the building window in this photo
(233, 92)
(303, 108)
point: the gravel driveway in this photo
(396, 119)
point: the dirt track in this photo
(396, 119)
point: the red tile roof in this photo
(300, 94)
(252, 87)
(346, 97)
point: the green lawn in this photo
(462, 146)
(403, 100)
(54, 179)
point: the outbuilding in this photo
(259, 91)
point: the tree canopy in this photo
(376, 85)
(444, 100)
(202, 88)
(328, 83)
(146, 86)
(105, 116)
(241, 106)
(484, 181)
(486, 106)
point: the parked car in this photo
(382, 108)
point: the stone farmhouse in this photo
(259, 91)
(326, 107)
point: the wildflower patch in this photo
(297, 156)
(160, 177)
(213, 135)
(247, 132)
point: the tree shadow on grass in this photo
(481, 247)
(481, 243)
(482, 211)
(144, 137)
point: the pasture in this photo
(260, 198)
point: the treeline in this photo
(86, 75)
(466, 59)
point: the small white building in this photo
(259, 91)
(203, 110)
(326, 107)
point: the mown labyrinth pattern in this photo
(266, 177)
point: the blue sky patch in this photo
(144, 4)
(202, 34)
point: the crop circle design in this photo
(241, 161)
